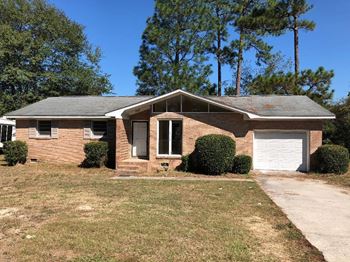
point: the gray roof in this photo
(90, 106)
(273, 105)
(77, 105)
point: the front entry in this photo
(139, 138)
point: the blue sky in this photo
(117, 25)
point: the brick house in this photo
(144, 132)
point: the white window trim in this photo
(93, 136)
(38, 133)
(170, 139)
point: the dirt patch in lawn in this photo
(269, 238)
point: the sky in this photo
(116, 26)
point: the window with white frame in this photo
(170, 137)
(44, 128)
(99, 128)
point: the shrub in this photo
(185, 163)
(242, 164)
(214, 154)
(15, 152)
(332, 159)
(96, 154)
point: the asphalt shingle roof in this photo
(292, 106)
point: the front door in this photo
(139, 138)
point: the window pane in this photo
(9, 133)
(176, 138)
(174, 104)
(213, 108)
(44, 128)
(159, 107)
(99, 128)
(193, 105)
(163, 133)
(3, 133)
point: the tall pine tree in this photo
(173, 51)
(289, 13)
(220, 17)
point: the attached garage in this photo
(281, 150)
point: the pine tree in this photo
(250, 23)
(314, 84)
(220, 17)
(289, 13)
(173, 51)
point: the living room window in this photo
(44, 128)
(169, 137)
(99, 129)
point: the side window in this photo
(44, 128)
(99, 129)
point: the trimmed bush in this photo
(242, 164)
(332, 159)
(15, 152)
(214, 154)
(185, 163)
(96, 154)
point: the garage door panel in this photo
(280, 150)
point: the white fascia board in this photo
(118, 113)
(4, 121)
(292, 118)
(58, 117)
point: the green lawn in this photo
(51, 213)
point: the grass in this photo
(64, 213)
(339, 180)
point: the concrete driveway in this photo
(319, 210)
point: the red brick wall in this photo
(124, 134)
(68, 147)
(231, 124)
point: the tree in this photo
(338, 130)
(220, 17)
(173, 50)
(250, 23)
(289, 13)
(43, 53)
(314, 84)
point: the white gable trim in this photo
(118, 113)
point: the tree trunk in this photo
(296, 49)
(218, 57)
(239, 65)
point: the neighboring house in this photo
(143, 132)
(7, 131)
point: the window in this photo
(44, 128)
(3, 133)
(99, 128)
(169, 137)
(193, 105)
(160, 107)
(174, 104)
(186, 104)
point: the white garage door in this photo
(275, 150)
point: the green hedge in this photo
(15, 152)
(214, 154)
(96, 154)
(242, 164)
(332, 159)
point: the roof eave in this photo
(57, 117)
(119, 113)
